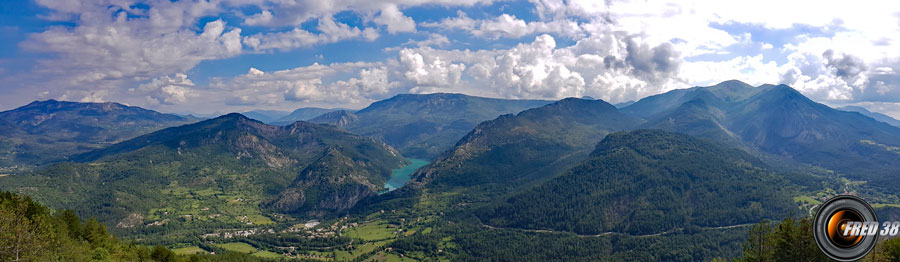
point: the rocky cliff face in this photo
(333, 183)
(338, 118)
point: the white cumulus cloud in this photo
(395, 21)
(167, 90)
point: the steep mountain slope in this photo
(725, 92)
(700, 116)
(515, 149)
(423, 126)
(875, 115)
(46, 131)
(648, 182)
(784, 122)
(220, 170)
(333, 182)
(779, 121)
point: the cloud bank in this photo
(145, 52)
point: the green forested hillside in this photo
(565, 181)
(792, 240)
(648, 182)
(784, 122)
(645, 195)
(30, 231)
(516, 149)
(781, 122)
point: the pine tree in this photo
(890, 250)
(758, 247)
(24, 231)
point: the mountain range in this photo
(532, 172)
(516, 149)
(683, 171)
(773, 122)
(299, 114)
(779, 121)
(423, 126)
(647, 182)
(48, 131)
(874, 115)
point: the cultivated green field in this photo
(267, 254)
(375, 230)
(239, 247)
(189, 250)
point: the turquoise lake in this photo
(401, 175)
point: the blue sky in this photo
(236, 55)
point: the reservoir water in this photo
(401, 175)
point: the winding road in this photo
(617, 233)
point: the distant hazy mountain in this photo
(227, 168)
(302, 114)
(782, 122)
(653, 106)
(537, 143)
(624, 104)
(338, 118)
(51, 130)
(423, 126)
(266, 116)
(647, 182)
(877, 116)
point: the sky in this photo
(217, 56)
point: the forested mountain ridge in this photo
(648, 182)
(575, 179)
(504, 182)
(534, 144)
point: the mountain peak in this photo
(432, 95)
(733, 83)
(575, 102)
(783, 91)
(237, 120)
(49, 102)
(44, 102)
(233, 116)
